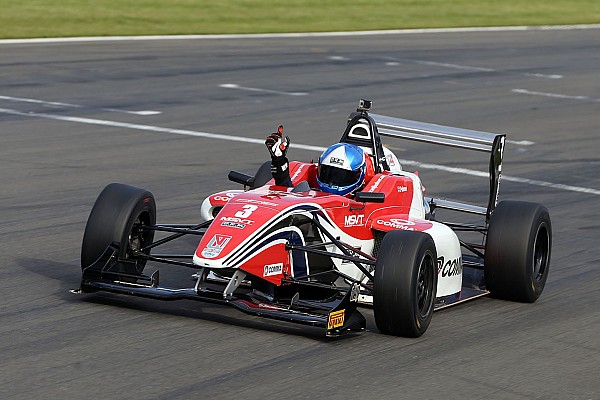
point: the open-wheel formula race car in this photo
(301, 255)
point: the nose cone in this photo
(233, 228)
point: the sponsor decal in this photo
(336, 319)
(391, 161)
(215, 246)
(449, 268)
(401, 221)
(402, 189)
(353, 220)
(352, 253)
(238, 220)
(224, 196)
(336, 161)
(233, 225)
(273, 269)
(260, 202)
(297, 173)
(395, 223)
(376, 184)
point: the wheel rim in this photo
(541, 248)
(425, 287)
(139, 237)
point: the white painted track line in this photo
(554, 95)
(521, 142)
(251, 89)
(36, 101)
(217, 136)
(455, 66)
(68, 105)
(482, 69)
(301, 34)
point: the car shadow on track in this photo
(68, 275)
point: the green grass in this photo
(50, 18)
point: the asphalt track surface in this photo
(536, 86)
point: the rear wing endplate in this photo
(454, 137)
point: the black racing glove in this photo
(278, 146)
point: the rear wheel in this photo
(517, 251)
(119, 215)
(405, 283)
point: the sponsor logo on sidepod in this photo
(353, 220)
(215, 246)
(449, 268)
(396, 223)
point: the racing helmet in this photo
(341, 169)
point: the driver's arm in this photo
(278, 146)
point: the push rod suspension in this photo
(177, 235)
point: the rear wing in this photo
(454, 137)
(381, 125)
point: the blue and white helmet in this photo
(341, 169)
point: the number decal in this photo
(247, 210)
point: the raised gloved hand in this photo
(277, 144)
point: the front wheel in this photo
(517, 251)
(119, 215)
(405, 283)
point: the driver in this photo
(341, 168)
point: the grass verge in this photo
(51, 18)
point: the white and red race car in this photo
(300, 255)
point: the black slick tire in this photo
(517, 251)
(116, 216)
(405, 283)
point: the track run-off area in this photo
(175, 114)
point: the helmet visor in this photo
(337, 176)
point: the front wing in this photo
(307, 303)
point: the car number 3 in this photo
(247, 210)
